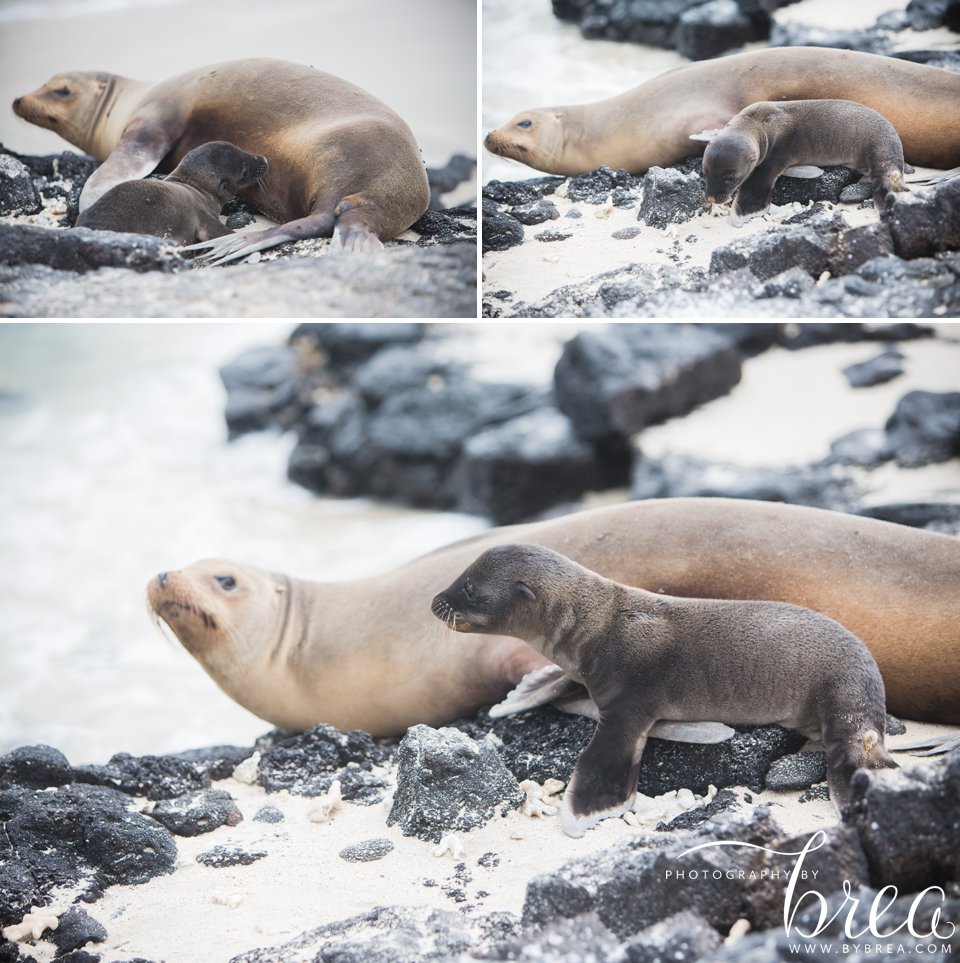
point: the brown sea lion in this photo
(647, 657)
(341, 162)
(651, 124)
(366, 653)
(767, 139)
(185, 206)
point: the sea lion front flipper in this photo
(604, 780)
(755, 192)
(550, 684)
(707, 135)
(143, 144)
(803, 171)
(546, 683)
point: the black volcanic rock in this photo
(448, 782)
(77, 835)
(925, 428)
(614, 382)
(197, 813)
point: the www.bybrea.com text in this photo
(871, 949)
(921, 921)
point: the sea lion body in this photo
(367, 653)
(651, 125)
(185, 206)
(339, 158)
(647, 657)
(766, 139)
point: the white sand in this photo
(201, 913)
(418, 56)
(534, 269)
(790, 405)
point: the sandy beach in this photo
(200, 914)
(786, 409)
(531, 59)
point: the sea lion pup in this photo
(341, 161)
(366, 653)
(645, 657)
(186, 204)
(651, 124)
(766, 140)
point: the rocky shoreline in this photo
(607, 244)
(443, 845)
(46, 271)
(70, 834)
(394, 411)
(816, 255)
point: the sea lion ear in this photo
(526, 591)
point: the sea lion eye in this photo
(227, 582)
(524, 124)
(62, 91)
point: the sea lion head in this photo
(71, 105)
(226, 615)
(220, 168)
(727, 163)
(507, 590)
(535, 138)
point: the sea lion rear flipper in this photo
(220, 250)
(549, 683)
(703, 733)
(803, 170)
(936, 178)
(143, 144)
(934, 745)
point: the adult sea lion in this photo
(645, 657)
(766, 139)
(367, 653)
(341, 162)
(186, 204)
(651, 124)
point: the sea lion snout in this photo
(451, 616)
(162, 579)
(16, 105)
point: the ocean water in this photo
(532, 59)
(13, 10)
(114, 465)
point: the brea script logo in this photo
(874, 939)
